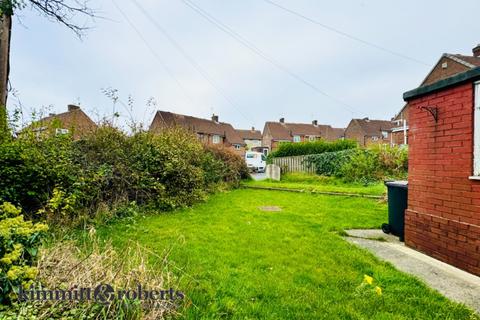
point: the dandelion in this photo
(378, 290)
(367, 279)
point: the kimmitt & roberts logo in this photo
(103, 293)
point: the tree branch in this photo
(64, 11)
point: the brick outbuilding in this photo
(443, 214)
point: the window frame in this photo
(216, 139)
(61, 131)
(476, 130)
(297, 140)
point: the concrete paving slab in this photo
(455, 284)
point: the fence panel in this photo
(293, 164)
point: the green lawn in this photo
(317, 183)
(237, 261)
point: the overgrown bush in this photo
(30, 169)
(287, 149)
(19, 242)
(231, 167)
(69, 179)
(362, 165)
(330, 163)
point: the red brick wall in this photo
(443, 215)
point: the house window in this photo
(236, 146)
(384, 134)
(374, 138)
(216, 139)
(476, 151)
(60, 131)
(312, 138)
(296, 139)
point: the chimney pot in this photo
(214, 118)
(282, 120)
(253, 128)
(72, 107)
(315, 123)
(476, 51)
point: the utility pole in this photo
(5, 36)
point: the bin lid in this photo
(399, 184)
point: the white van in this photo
(256, 161)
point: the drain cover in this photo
(270, 208)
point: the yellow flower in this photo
(367, 279)
(378, 290)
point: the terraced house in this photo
(74, 121)
(207, 131)
(448, 65)
(367, 132)
(252, 138)
(275, 133)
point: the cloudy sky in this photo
(280, 65)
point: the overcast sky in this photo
(215, 73)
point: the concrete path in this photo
(452, 282)
(259, 176)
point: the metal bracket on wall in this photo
(433, 111)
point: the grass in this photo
(236, 261)
(299, 181)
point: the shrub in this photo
(288, 149)
(393, 160)
(30, 169)
(232, 166)
(71, 179)
(19, 241)
(362, 165)
(330, 163)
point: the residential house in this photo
(275, 133)
(208, 131)
(252, 138)
(443, 214)
(400, 127)
(367, 132)
(74, 121)
(448, 65)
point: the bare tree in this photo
(61, 11)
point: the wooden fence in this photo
(293, 164)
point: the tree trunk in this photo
(5, 36)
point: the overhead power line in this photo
(153, 52)
(191, 60)
(249, 45)
(347, 35)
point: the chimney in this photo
(282, 120)
(72, 107)
(51, 114)
(315, 123)
(253, 128)
(214, 118)
(366, 119)
(476, 51)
